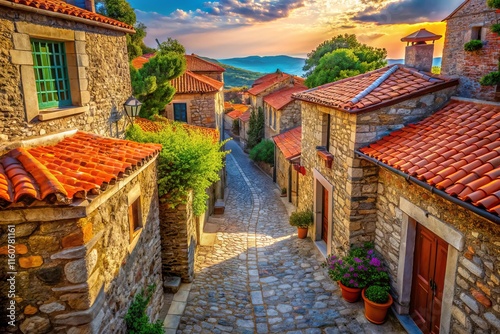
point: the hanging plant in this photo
(494, 4)
(496, 28)
(490, 79)
(473, 45)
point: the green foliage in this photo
(236, 126)
(436, 69)
(473, 45)
(136, 318)
(377, 293)
(491, 79)
(151, 84)
(340, 58)
(263, 151)
(494, 3)
(302, 218)
(283, 191)
(255, 128)
(188, 161)
(171, 45)
(496, 28)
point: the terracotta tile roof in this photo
(268, 80)
(245, 117)
(282, 97)
(289, 142)
(237, 109)
(139, 62)
(196, 64)
(70, 10)
(160, 123)
(190, 83)
(375, 89)
(456, 150)
(76, 166)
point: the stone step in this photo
(171, 284)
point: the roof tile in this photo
(282, 97)
(289, 142)
(191, 83)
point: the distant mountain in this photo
(236, 77)
(435, 62)
(268, 64)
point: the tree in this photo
(171, 45)
(255, 128)
(341, 57)
(151, 84)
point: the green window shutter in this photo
(51, 74)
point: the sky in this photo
(237, 28)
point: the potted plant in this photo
(302, 220)
(377, 302)
(283, 192)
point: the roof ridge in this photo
(375, 84)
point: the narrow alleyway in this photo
(259, 277)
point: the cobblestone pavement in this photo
(259, 277)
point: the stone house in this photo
(79, 221)
(472, 20)
(232, 113)
(244, 127)
(269, 83)
(199, 96)
(393, 157)
(287, 162)
(281, 111)
(62, 67)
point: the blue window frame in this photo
(180, 112)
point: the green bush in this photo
(473, 45)
(494, 4)
(302, 218)
(136, 318)
(490, 79)
(263, 151)
(496, 28)
(377, 293)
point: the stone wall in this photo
(202, 109)
(354, 180)
(476, 290)
(290, 116)
(100, 78)
(282, 168)
(79, 275)
(470, 67)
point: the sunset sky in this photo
(232, 28)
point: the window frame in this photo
(135, 215)
(185, 111)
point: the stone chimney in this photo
(85, 4)
(419, 54)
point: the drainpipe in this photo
(483, 213)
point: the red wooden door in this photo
(324, 225)
(429, 267)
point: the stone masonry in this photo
(470, 67)
(287, 118)
(98, 71)
(77, 270)
(202, 109)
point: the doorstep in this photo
(176, 310)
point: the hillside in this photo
(236, 77)
(268, 64)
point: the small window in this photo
(135, 218)
(51, 74)
(476, 33)
(325, 138)
(180, 112)
(274, 120)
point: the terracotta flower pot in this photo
(302, 231)
(375, 312)
(350, 295)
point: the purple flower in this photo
(355, 275)
(357, 260)
(370, 252)
(340, 262)
(361, 267)
(347, 275)
(375, 262)
(351, 269)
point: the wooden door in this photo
(324, 225)
(429, 269)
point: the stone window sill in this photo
(50, 114)
(134, 241)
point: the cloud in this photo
(254, 10)
(348, 26)
(406, 11)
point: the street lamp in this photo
(132, 107)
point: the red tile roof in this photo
(76, 166)
(456, 150)
(289, 142)
(376, 89)
(423, 35)
(282, 97)
(245, 117)
(161, 122)
(237, 109)
(190, 83)
(197, 64)
(139, 62)
(70, 10)
(268, 80)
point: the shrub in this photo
(136, 318)
(496, 28)
(263, 151)
(490, 79)
(494, 4)
(473, 45)
(377, 293)
(283, 191)
(302, 219)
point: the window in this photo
(325, 140)
(476, 33)
(180, 112)
(274, 120)
(51, 74)
(135, 218)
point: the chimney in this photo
(85, 4)
(419, 54)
